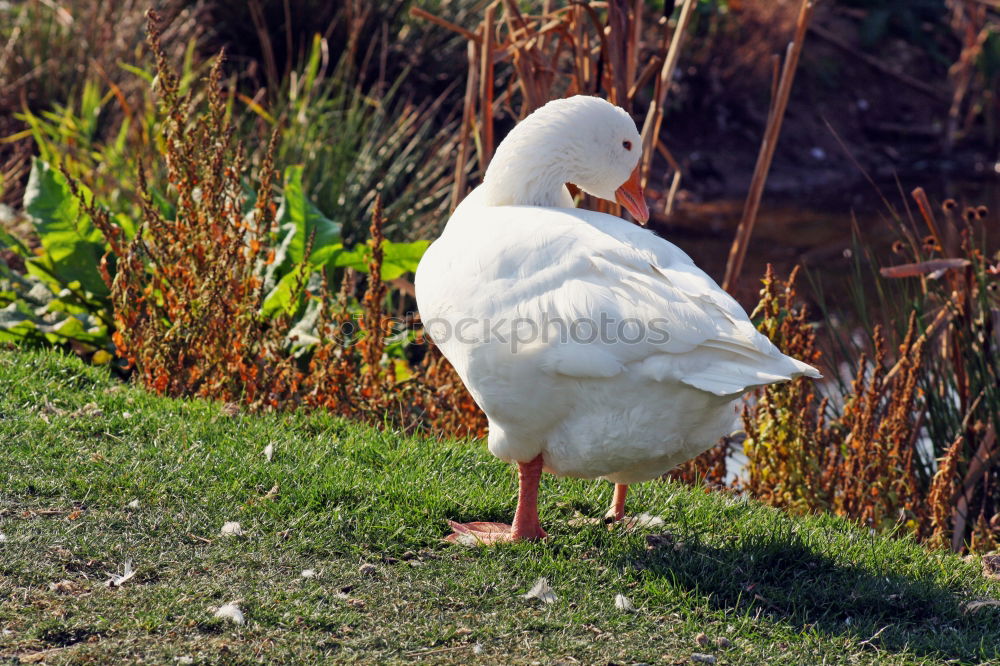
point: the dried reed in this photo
(583, 48)
(779, 102)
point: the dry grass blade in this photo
(924, 205)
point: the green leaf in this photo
(127, 225)
(17, 321)
(397, 258)
(72, 328)
(287, 294)
(357, 258)
(141, 73)
(11, 243)
(73, 246)
(298, 210)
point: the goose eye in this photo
(627, 145)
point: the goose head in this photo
(581, 140)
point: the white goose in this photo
(595, 348)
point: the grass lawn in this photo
(365, 510)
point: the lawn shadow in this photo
(779, 578)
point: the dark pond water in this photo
(814, 230)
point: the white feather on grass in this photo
(624, 604)
(119, 580)
(541, 591)
(232, 528)
(269, 452)
(231, 612)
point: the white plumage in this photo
(584, 338)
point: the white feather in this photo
(541, 591)
(230, 612)
(231, 528)
(117, 580)
(624, 604)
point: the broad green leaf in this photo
(18, 324)
(397, 258)
(357, 258)
(72, 328)
(285, 296)
(297, 209)
(23, 322)
(73, 246)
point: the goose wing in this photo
(586, 295)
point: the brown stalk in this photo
(654, 115)
(486, 87)
(979, 466)
(738, 250)
(943, 317)
(616, 54)
(461, 162)
(775, 81)
(675, 182)
(924, 205)
(417, 12)
(581, 53)
(633, 41)
(526, 72)
(541, 35)
(643, 78)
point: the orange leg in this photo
(617, 510)
(526, 524)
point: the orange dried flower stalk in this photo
(860, 464)
(188, 294)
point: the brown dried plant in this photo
(956, 285)
(944, 489)
(188, 293)
(186, 289)
(589, 48)
(875, 477)
(858, 464)
(788, 465)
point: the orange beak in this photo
(630, 196)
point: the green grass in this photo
(782, 590)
